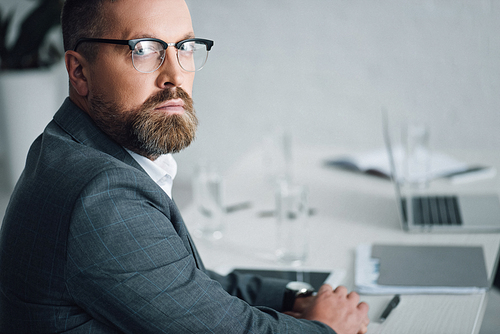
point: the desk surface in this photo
(349, 209)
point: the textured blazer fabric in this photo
(91, 244)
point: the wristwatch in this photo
(294, 290)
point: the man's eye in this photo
(142, 52)
(145, 49)
(138, 52)
(189, 47)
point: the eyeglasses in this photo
(148, 54)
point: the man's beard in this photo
(144, 130)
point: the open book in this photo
(377, 163)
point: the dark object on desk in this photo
(391, 306)
(315, 278)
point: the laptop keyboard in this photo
(434, 210)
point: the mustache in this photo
(166, 95)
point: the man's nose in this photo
(170, 73)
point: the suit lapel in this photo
(82, 128)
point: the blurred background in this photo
(325, 69)
(321, 70)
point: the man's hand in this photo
(338, 309)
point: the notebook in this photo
(443, 212)
(412, 269)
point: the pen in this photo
(391, 306)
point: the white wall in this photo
(325, 68)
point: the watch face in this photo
(294, 290)
(299, 286)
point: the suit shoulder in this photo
(59, 163)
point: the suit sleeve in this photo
(128, 267)
(254, 289)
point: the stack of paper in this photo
(390, 269)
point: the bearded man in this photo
(92, 241)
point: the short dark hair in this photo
(83, 19)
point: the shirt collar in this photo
(163, 170)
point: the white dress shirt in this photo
(162, 170)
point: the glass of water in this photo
(292, 214)
(208, 193)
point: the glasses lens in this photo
(192, 55)
(147, 56)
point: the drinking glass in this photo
(208, 190)
(292, 213)
(417, 159)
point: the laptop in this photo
(447, 213)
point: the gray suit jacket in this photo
(91, 244)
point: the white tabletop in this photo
(349, 209)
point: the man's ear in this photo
(75, 65)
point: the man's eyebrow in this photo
(187, 36)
